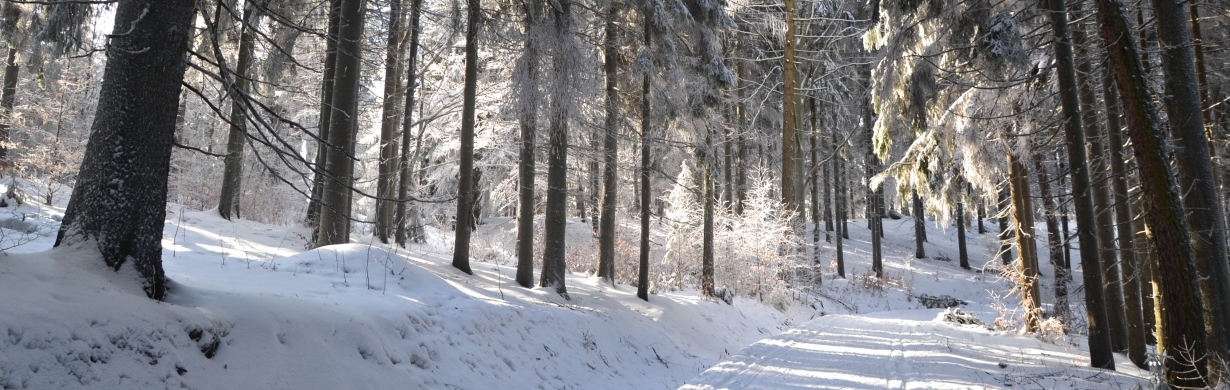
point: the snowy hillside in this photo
(250, 309)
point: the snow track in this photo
(905, 350)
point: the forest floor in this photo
(250, 308)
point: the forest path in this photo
(908, 349)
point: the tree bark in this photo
(319, 178)
(1099, 332)
(1005, 245)
(406, 163)
(1183, 322)
(706, 267)
(789, 115)
(1195, 169)
(642, 282)
(1134, 320)
(1054, 244)
(232, 172)
(386, 179)
(1022, 211)
(11, 70)
(553, 260)
(339, 165)
(465, 176)
(839, 209)
(920, 226)
(528, 116)
(610, 151)
(119, 202)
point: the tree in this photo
(119, 201)
(238, 91)
(555, 220)
(610, 149)
(326, 114)
(1196, 182)
(1182, 331)
(1074, 134)
(406, 163)
(528, 118)
(642, 281)
(465, 178)
(386, 179)
(1134, 320)
(335, 200)
(1054, 245)
(1023, 213)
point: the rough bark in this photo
(642, 281)
(119, 201)
(554, 246)
(1133, 320)
(232, 171)
(406, 163)
(1054, 244)
(789, 115)
(386, 178)
(339, 165)
(610, 151)
(1023, 213)
(920, 226)
(1195, 168)
(706, 264)
(528, 116)
(1099, 332)
(839, 209)
(326, 114)
(465, 176)
(1182, 320)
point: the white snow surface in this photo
(367, 316)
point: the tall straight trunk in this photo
(827, 194)
(1183, 321)
(814, 191)
(920, 226)
(386, 179)
(1063, 218)
(1095, 152)
(839, 209)
(873, 195)
(741, 177)
(843, 180)
(1099, 333)
(129, 162)
(642, 281)
(555, 218)
(962, 253)
(1023, 213)
(610, 150)
(706, 264)
(232, 172)
(1195, 168)
(1005, 243)
(1054, 243)
(1146, 260)
(528, 116)
(789, 116)
(982, 214)
(405, 162)
(320, 176)
(728, 160)
(1134, 320)
(339, 165)
(465, 176)
(11, 70)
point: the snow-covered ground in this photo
(249, 308)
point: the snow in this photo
(250, 308)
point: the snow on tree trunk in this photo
(119, 201)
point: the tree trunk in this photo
(553, 260)
(119, 201)
(610, 186)
(827, 177)
(642, 282)
(1183, 322)
(232, 172)
(741, 178)
(706, 266)
(1099, 333)
(1022, 211)
(11, 70)
(789, 116)
(1195, 169)
(335, 197)
(1095, 152)
(465, 176)
(961, 250)
(405, 162)
(815, 186)
(320, 175)
(1134, 320)
(386, 179)
(839, 211)
(1054, 244)
(920, 226)
(528, 116)
(982, 214)
(1005, 244)
(1063, 218)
